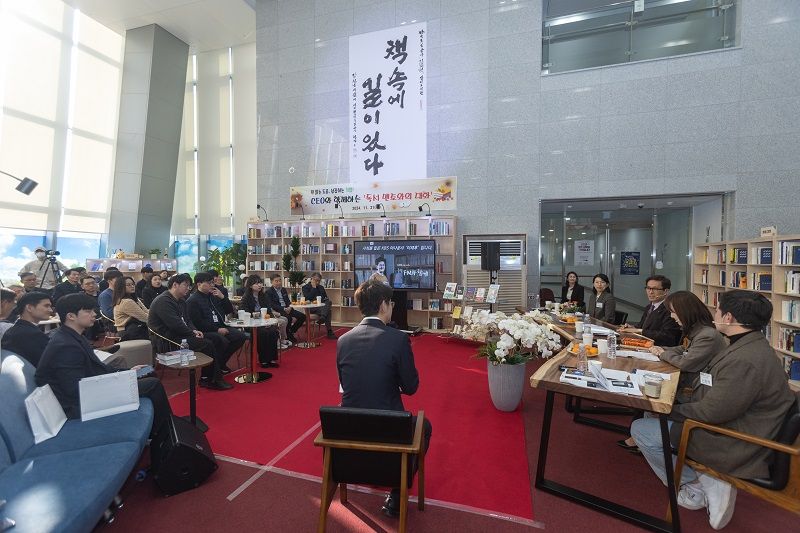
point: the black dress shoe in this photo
(391, 505)
(271, 364)
(215, 385)
(291, 337)
(320, 321)
(225, 370)
(631, 448)
(331, 334)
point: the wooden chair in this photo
(356, 443)
(782, 487)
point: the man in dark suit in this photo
(280, 302)
(376, 364)
(69, 357)
(71, 285)
(25, 338)
(313, 290)
(221, 293)
(656, 323)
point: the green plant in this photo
(226, 261)
(155, 251)
(296, 277)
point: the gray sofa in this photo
(65, 483)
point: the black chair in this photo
(782, 487)
(620, 317)
(546, 295)
(370, 447)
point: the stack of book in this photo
(174, 357)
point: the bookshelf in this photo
(326, 246)
(769, 265)
(130, 267)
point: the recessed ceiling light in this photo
(551, 230)
(413, 21)
(583, 233)
(569, 207)
(542, 236)
(569, 238)
(670, 203)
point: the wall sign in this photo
(629, 263)
(584, 253)
(388, 107)
(364, 198)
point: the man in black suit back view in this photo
(376, 364)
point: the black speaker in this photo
(490, 256)
(180, 457)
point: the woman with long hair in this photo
(572, 290)
(701, 342)
(254, 300)
(154, 287)
(601, 304)
(130, 316)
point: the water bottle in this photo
(185, 352)
(536, 301)
(612, 347)
(583, 362)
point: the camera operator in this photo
(46, 267)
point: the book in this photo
(491, 296)
(480, 295)
(741, 256)
(467, 312)
(765, 256)
(450, 291)
(459, 293)
(469, 295)
(457, 312)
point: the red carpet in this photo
(477, 456)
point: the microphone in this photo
(259, 206)
(338, 206)
(382, 206)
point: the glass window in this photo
(16, 249)
(591, 33)
(187, 253)
(76, 248)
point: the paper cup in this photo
(578, 327)
(319, 299)
(587, 339)
(264, 313)
(548, 304)
(244, 315)
(602, 346)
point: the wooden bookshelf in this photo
(743, 265)
(326, 246)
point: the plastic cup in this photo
(319, 299)
(578, 327)
(587, 339)
(602, 346)
(243, 315)
(652, 385)
(264, 314)
(548, 304)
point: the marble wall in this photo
(711, 122)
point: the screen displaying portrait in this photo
(403, 265)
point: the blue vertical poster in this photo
(629, 265)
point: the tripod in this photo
(52, 265)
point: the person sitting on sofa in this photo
(106, 298)
(25, 338)
(130, 317)
(69, 357)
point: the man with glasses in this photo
(376, 364)
(89, 287)
(30, 283)
(656, 322)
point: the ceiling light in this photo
(583, 233)
(551, 230)
(670, 203)
(566, 218)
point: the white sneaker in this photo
(692, 497)
(720, 499)
(286, 344)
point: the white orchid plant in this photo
(514, 339)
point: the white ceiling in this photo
(202, 24)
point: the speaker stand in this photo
(400, 311)
(192, 418)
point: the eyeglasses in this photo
(654, 289)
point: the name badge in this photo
(705, 379)
(599, 305)
(214, 317)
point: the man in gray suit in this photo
(376, 364)
(742, 388)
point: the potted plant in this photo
(510, 342)
(154, 253)
(296, 277)
(227, 261)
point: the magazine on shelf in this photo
(491, 296)
(480, 295)
(449, 291)
(459, 293)
(469, 295)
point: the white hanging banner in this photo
(584, 253)
(388, 107)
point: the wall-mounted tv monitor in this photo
(406, 265)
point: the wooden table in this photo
(307, 307)
(547, 377)
(252, 375)
(201, 360)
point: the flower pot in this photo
(505, 385)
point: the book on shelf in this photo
(331, 247)
(450, 291)
(491, 295)
(437, 322)
(704, 276)
(448, 306)
(790, 311)
(480, 295)
(457, 312)
(722, 275)
(789, 340)
(467, 311)
(789, 252)
(739, 280)
(459, 293)
(765, 255)
(721, 257)
(761, 281)
(469, 295)
(438, 228)
(792, 282)
(434, 304)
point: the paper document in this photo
(645, 356)
(597, 330)
(108, 394)
(615, 380)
